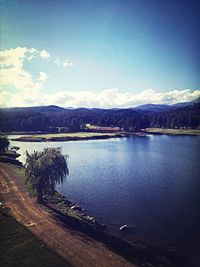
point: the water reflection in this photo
(151, 182)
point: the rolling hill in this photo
(47, 118)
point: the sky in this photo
(108, 53)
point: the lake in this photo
(151, 183)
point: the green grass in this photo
(20, 171)
(173, 131)
(20, 248)
(66, 136)
(78, 134)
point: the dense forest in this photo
(50, 117)
(186, 117)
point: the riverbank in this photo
(73, 219)
(172, 131)
(68, 137)
(136, 251)
(81, 136)
(75, 246)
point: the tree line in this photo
(46, 119)
(187, 117)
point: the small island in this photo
(68, 136)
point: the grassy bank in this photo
(19, 247)
(172, 131)
(67, 136)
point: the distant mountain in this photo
(48, 118)
(185, 104)
(153, 108)
(42, 109)
(162, 108)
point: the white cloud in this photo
(24, 99)
(43, 76)
(31, 57)
(57, 61)
(105, 99)
(44, 54)
(66, 63)
(13, 74)
(13, 57)
(4, 97)
(18, 78)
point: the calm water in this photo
(150, 182)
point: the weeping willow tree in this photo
(44, 170)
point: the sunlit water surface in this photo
(151, 183)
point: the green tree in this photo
(44, 170)
(4, 144)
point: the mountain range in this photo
(161, 108)
(46, 118)
(141, 108)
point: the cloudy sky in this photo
(108, 53)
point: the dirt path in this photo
(77, 248)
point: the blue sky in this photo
(99, 53)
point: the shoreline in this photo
(135, 250)
(75, 219)
(70, 238)
(93, 135)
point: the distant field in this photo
(173, 131)
(67, 136)
(20, 248)
(79, 134)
